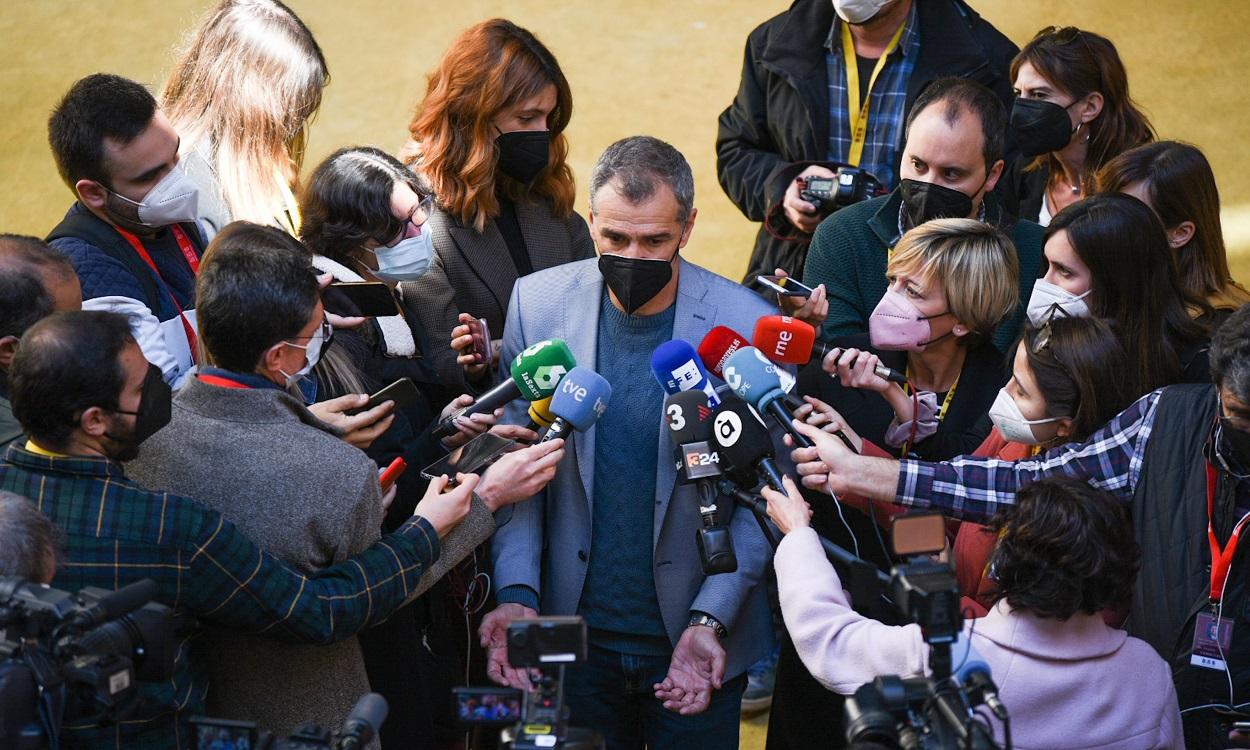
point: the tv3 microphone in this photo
(791, 341)
(580, 399)
(689, 419)
(534, 375)
(677, 367)
(721, 342)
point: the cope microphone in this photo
(580, 399)
(362, 724)
(689, 420)
(534, 375)
(677, 367)
(744, 446)
(721, 343)
(750, 375)
(790, 341)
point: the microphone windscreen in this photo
(972, 666)
(684, 413)
(540, 412)
(371, 711)
(537, 370)
(676, 366)
(740, 436)
(784, 339)
(127, 599)
(717, 345)
(581, 398)
(750, 375)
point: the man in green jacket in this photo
(952, 159)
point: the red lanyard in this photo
(220, 381)
(188, 252)
(1221, 559)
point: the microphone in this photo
(121, 602)
(540, 415)
(755, 380)
(790, 341)
(720, 343)
(578, 402)
(363, 723)
(677, 367)
(744, 446)
(977, 682)
(534, 375)
(689, 420)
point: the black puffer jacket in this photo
(779, 122)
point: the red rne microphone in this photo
(717, 346)
(790, 341)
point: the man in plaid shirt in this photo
(87, 398)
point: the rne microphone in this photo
(534, 375)
(677, 367)
(580, 399)
(689, 420)
(744, 446)
(721, 343)
(790, 341)
(750, 375)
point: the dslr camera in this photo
(849, 185)
(537, 718)
(78, 656)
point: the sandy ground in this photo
(641, 66)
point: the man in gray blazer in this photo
(612, 538)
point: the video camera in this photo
(77, 656)
(538, 718)
(360, 727)
(849, 185)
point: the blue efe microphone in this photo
(753, 377)
(580, 399)
(676, 365)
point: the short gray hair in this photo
(28, 540)
(636, 163)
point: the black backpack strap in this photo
(89, 228)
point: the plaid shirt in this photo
(117, 532)
(884, 137)
(976, 488)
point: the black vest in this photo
(1173, 586)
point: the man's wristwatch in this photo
(706, 620)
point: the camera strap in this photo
(859, 118)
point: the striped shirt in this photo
(118, 532)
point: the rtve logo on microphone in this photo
(579, 394)
(783, 342)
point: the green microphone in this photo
(536, 372)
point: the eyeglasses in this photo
(325, 332)
(420, 214)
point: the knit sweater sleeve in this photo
(833, 260)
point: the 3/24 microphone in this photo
(580, 399)
(689, 420)
(534, 375)
(790, 341)
(677, 367)
(754, 379)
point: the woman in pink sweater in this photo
(1067, 679)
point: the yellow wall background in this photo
(636, 66)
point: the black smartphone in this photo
(785, 286)
(367, 299)
(402, 392)
(470, 458)
(488, 706)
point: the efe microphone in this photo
(581, 398)
(677, 367)
(790, 341)
(689, 420)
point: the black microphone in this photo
(689, 419)
(980, 687)
(121, 602)
(744, 445)
(363, 723)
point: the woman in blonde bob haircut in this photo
(241, 95)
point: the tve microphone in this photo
(976, 678)
(749, 374)
(689, 420)
(720, 343)
(535, 374)
(677, 367)
(580, 399)
(362, 724)
(744, 445)
(790, 341)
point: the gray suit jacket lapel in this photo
(487, 254)
(546, 239)
(580, 330)
(693, 318)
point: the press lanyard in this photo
(859, 119)
(1221, 559)
(946, 402)
(188, 252)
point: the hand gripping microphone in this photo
(689, 420)
(534, 375)
(581, 398)
(755, 380)
(744, 446)
(980, 687)
(789, 341)
(677, 367)
(720, 343)
(363, 723)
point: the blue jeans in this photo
(612, 694)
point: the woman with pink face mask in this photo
(951, 282)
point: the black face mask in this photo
(635, 281)
(1040, 127)
(1233, 445)
(523, 154)
(153, 414)
(925, 201)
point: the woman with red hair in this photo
(489, 139)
